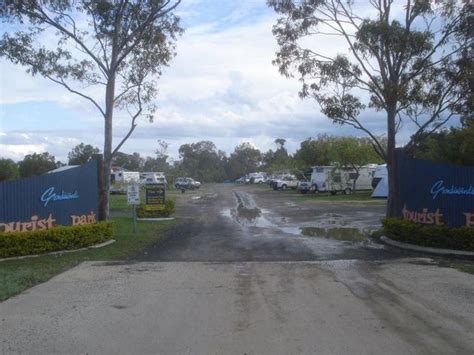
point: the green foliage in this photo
(168, 209)
(454, 146)
(314, 151)
(36, 164)
(245, 159)
(132, 162)
(8, 170)
(58, 238)
(461, 238)
(201, 161)
(81, 154)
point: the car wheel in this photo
(283, 187)
(347, 191)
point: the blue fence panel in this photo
(63, 198)
(436, 193)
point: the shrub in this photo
(57, 238)
(167, 210)
(461, 238)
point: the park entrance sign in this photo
(436, 193)
(68, 197)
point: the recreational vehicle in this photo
(119, 180)
(336, 179)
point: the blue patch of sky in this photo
(29, 116)
(222, 14)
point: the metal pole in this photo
(134, 219)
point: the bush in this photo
(461, 238)
(167, 210)
(58, 238)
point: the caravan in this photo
(336, 179)
(119, 179)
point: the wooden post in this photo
(100, 185)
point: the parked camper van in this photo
(336, 179)
(119, 180)
(153, 178)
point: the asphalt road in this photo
(237, 276)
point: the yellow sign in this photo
(154, 207)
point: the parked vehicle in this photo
(119, 179)
(336, 179)
(240, 180)
(303, 187)
(153, 178)
(186, 183)
(285, 182)
(257, 178)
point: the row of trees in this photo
(203, 161)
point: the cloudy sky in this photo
(221, 87)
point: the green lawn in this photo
(363, 196)
(18, 275)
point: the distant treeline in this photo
(205, 162)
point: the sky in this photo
(221, 87)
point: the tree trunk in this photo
(109, 110)
(392, 202)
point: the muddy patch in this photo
(246, 213)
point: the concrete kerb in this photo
(96, 246)
(429, 250)
(156, 219)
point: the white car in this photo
(285, 182)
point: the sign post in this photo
(155, 197)
(133, 198)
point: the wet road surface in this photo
(254, 223)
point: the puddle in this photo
(247, 214)
(337, 233)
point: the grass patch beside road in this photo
(357, 196)
(18, 275)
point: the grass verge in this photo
(18, 275)
(357, 196)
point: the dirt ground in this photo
(227, 222)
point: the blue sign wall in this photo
(69, 197)
(436, 193)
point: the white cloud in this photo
(220, 87)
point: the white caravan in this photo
(153, 178)
(335, 179)
(120, 179)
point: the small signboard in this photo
(133, 194)
(154, 197)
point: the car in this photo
(186, 183)
(303, 187)
(284, 182)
